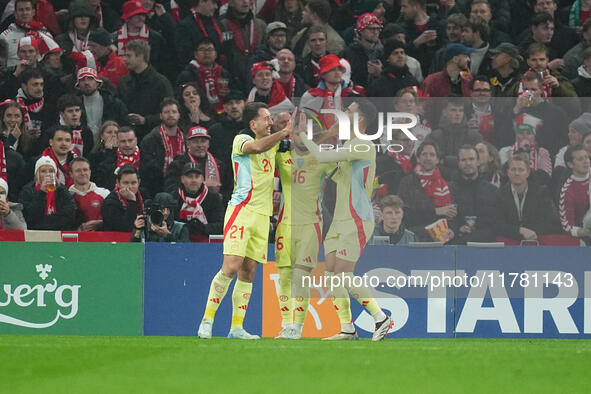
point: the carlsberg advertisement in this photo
(71, 288)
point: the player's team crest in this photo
(220, 289)
(246, 296)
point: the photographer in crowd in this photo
(158, 224)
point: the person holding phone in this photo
(11, 216)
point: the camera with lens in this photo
(154, 213)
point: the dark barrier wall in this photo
(177, 281)
(80, 289)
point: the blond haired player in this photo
(353, 222)
(246, 224)
(299, 232)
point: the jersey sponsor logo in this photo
(308, 259)
(342, 252)
(285, 309)
(243, 307)
(215, 300)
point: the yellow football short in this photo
(297, 244)
(348, 238)
(246, 233)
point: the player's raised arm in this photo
(326, 156)
(260, 124)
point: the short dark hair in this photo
(321, 8)
(368, 110)
(480, 2)
(126, 170)
(166, 101)
(570, 151)
(126, 129)
(467, 147)
(479, 26)
(30, 73)
(428, 143)
(587, 52)
(78, 159)
(420, 3)
(541, 18)
(479, 78)
(51, 132)
(67, 101)
(316, 29)
(522, 157)
(140, 47)
(251, 111)
(391, 200)
(536, 47)
(454, 99)
(532, 76)
(204, 41)
(457, 19)
(24, 1)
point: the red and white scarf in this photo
(99, 15)
(123, 38)
(277, 94)
(173, 146)
(50, 207)
(202, 26)
(125, 203)
(34, 107)
(496, 180)
(175, 11)
(32, 28)
(77, 142)
(402, 160)
(208, 77)
(435, 186)
(134, 159)
(316, 71)
(536, 161)
(3, 172)
(79, 45)
(212, 170)
(289, 87)
(239, 39)
(192, 208)
(546, 89)
(63, 170)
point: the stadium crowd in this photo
(105, 105)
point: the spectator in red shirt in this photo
(574, 195)
(108, 64)
(88, 196)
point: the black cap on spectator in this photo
(165, 200)
(234, 95)
(101, 37)
(191, 167)
(391, 46)
(390, 30)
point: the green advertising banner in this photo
(71, 288)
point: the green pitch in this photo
(58, 364)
